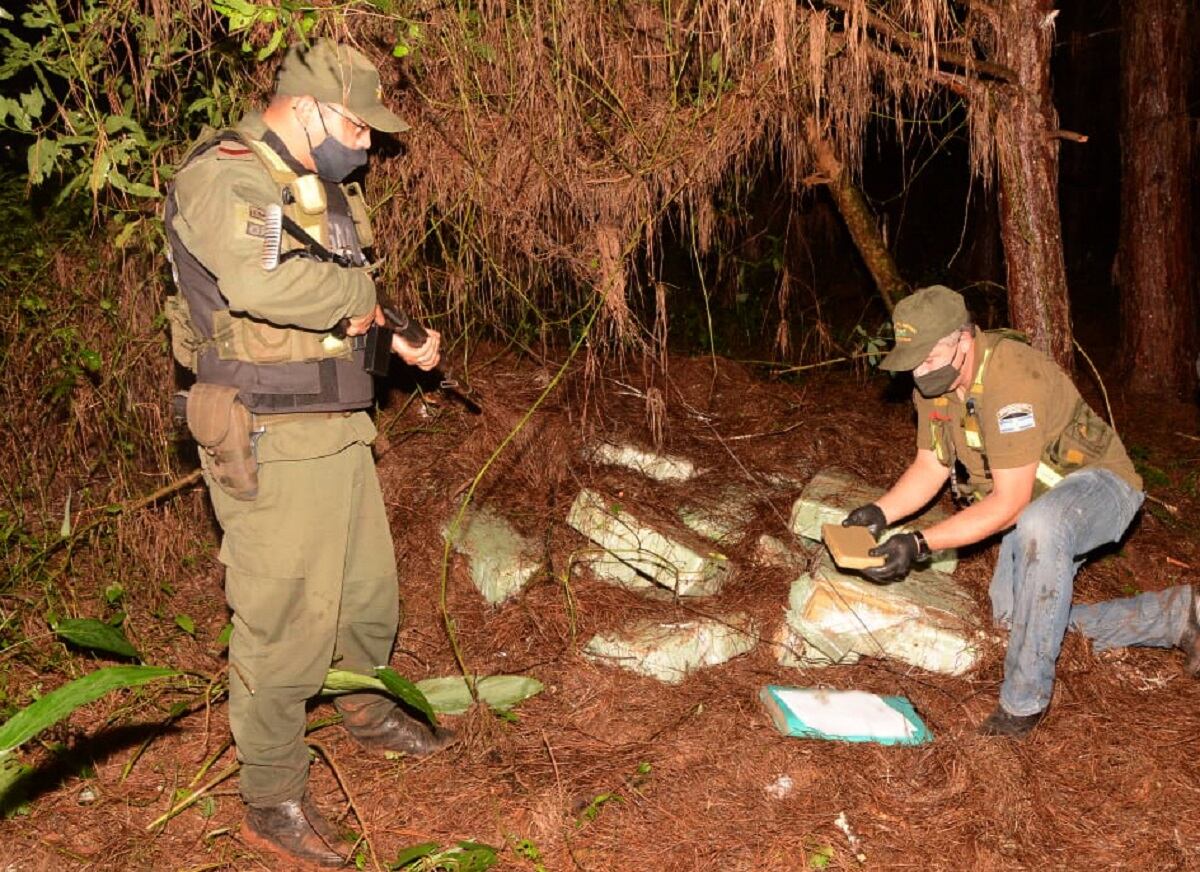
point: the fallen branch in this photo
(191, 799)
(362, 821)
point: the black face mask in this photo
(934, 384)
(333, 160)
(939, 381)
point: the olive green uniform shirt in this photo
(216, 193)
(1028, 411)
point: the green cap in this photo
(333, 73)
(919, 321)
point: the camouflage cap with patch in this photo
(919, 321)
(333, 73)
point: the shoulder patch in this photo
(1016, 417)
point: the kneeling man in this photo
(1041, 466)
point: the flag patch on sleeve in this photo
(1016, 417)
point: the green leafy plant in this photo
(527, 849)
(592, 810)
(449, 695)
(95, 635)
(385, 679)
(821, 857)
(58, 704)
(431, 857)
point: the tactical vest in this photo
(275, 369)
(1083, 440)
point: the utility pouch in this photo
(221, 425)
(240, 338)
(185, 341)
(378, 346)
(1085, 438)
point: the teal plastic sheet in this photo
(844, 716)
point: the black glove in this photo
(869, 516)
(898, 553)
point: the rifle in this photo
(378, 339)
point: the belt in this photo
(262, 422)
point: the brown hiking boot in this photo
(396, 731)
(294, 830)
(1190, 640)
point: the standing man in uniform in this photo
(1041, 466)
(272, 322)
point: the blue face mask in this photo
(334, 161)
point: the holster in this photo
(220, 424)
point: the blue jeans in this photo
(1034, 579)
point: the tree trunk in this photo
(1154, 258)
(860, 221)
(1027, 155)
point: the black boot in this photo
(294, 830)
(1001, 723)
(1190, 640)
(394, 730)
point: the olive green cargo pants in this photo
(311, 579)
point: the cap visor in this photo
(383, 120)
(904, 358)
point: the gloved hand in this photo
(898, 553)
(869, 516)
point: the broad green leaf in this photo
(55, 706)
(13, 783)
(404, 690)
(33, 102)
(20, 118)
(475, 856)
(269, 49)
(116, 123)
(339, 681)
(41, 157)
(122, 238)
(96, 635)
(199, 104)
(137, 189)
(5, 15)
(446, 696)
(412, 853)
(226, 634)
(234, 7)
(451, 696)
(463, 857)
(185, 623)
(99, 173)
